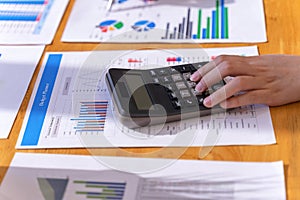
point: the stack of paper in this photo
(41, 176)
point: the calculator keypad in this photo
(181, 90)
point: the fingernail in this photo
(200, 87)
(207, 101)
(193, 77)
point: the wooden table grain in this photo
(283, 30)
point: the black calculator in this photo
(158, 95)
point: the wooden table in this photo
(283, 29)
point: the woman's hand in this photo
(268, 79)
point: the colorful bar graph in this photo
(214, 26)
(91, 117)
(107, 190)
(37, 12)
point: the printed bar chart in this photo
(106, 190)
(91, 117)
(216, 25)
(34, 15)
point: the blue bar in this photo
(85, 118)
(103, 193)
(24, 1)
(96, 102)
(213, 26)
(18, 16)
(106, 198)
(41, 101)
(222, 19)
(104, 183)
(204, 33)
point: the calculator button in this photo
(180, 85)
(208, 92)
(155, 80)
(200, 101)
(176, 77)
(153, 73)
(173, 70)
(187, 102)
(176, 104)
(191, 84)
(184, 93)
(162, 72)
(169, 87)
(166, 79)
(172, 96)
(216, 87)
(196, 93)
(184, 69)
(186, 75)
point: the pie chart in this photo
(110, 25)
(143, 25)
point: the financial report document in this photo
(70, 105)
(167, 21)
(52, 176)
(30, 21)
(17, 65)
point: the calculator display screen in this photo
(137, 88)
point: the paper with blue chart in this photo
(30, 21)
(17, 65)
(70, 106)
(59, 177)
(167, 21)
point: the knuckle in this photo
(226, 67)
(221, 58)
(240, 83)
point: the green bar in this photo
(208, 28)
(226, 23)
(96, 186)
(79, 181)
(112, 191)
(81, 192)
(199, 23)
(217, 19)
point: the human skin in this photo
(273, 80)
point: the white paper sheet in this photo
(30, 22)
(167, 21)
(17, 65)
(41, 176)
(70, 81)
